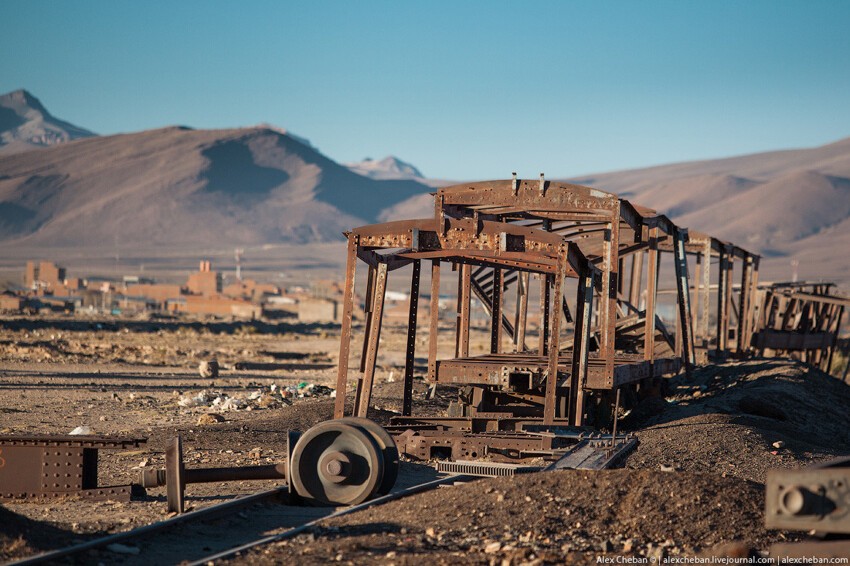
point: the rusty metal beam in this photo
(496, 313)
(521, 312)
(345, 333)
(410, 350)
(435, 319)
(549, 412)
(363, 395)
(681, 264)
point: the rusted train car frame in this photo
(520, 227)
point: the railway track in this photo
(217, 532)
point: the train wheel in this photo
(335, 463)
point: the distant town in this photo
(47, 288)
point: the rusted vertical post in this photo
(608, 300)
(581, 346)
(544, 313)
(835, 340)
(752, 302)
(636, 279)
(363, 398)
(410, 351)
(696, 298)
(621, 269)
(496, 313)
(706, 291)
(544, 303)
(684, 288)
(743, 302)
(465, 298)
(435, 317)
(723, 299)
(345, 333)
(554, 343)
(368, 305)
(521, 311)
(651, 295)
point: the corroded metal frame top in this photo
(481, 242)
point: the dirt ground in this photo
(139, 378)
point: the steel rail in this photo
(346, 511)
(215, 511)
(201, 514)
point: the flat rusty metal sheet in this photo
(46, 466)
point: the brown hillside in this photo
(177, 186)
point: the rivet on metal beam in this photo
(542, 185)
(515, 184)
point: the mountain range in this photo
(62, 185)
(25, 124)
(178, 186)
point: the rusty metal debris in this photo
(340, 462)
(816, 498)
(800, 320)
(44, 467)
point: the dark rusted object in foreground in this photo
(45, 467)
(342, 462)
(816, 498)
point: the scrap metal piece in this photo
(595, 454)
(813, 498)
(175, 479)
(483, 469)
(48, 466)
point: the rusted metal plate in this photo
(808, 499)
(595, 454)
(45, 466)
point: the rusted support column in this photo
(521, 311)
(554, 343)
(496, 313)
(581, 347)
(621, 269)
(743, 303)
(435, 318)
(608, 302)
(684, 292)
(363, 396)
(724, 299)
(410, 352)
(345, 333)
(368, 305)
(651, 295)
(706, 291)
(752, 313)
(635, 282)
(837, 331)
(696, 299)
(465, 300)
(545, 286)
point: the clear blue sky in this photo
(461, 89)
